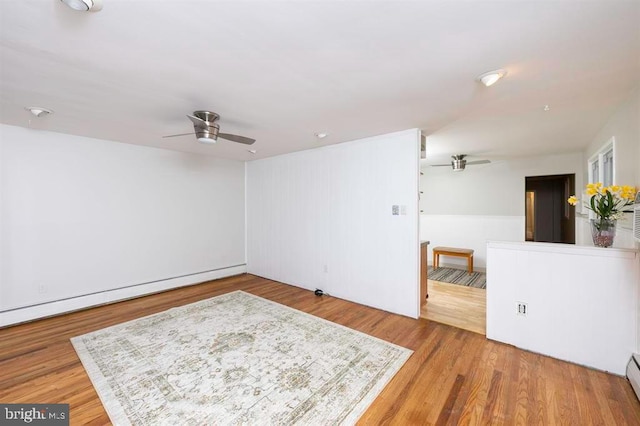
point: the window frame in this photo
(599, 159)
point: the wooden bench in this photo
(452, 251)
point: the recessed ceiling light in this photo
(38, 111)
(491, 77)
(84, 5)
(251, 151)
(321, 135)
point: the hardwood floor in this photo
(454, 376)
(457, 305)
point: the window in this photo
(595, 171)
(601, 165)
(607, 168)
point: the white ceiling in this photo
(281, 71)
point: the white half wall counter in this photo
(581, 302)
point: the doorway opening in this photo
(548, 216)
(457, 305)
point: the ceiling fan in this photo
(206, 129)
(459, 163)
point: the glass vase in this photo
(603, 231)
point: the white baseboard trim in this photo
(29, 313)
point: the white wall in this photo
(469, 231)
(624, 128)
(322, 219)
(484, 202)
(582, 301)
(83, 216)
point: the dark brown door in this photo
(546, 200)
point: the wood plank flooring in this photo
(457, 305)
(454, 376)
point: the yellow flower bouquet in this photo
(607, 202)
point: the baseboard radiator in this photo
(633, 373)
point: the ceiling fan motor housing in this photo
(458, 163)
(207, 116)
(209, 129)
(211, 132)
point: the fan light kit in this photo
(84, 5)
(458, 163)
(39, 111)
(491, 77)
(207, 130)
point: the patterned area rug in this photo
(236, 359)
(458, 276)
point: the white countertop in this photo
(564, 248)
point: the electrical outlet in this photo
(42, 289)
(403, 210)
(395, 210)
(523, 309)
(325, 268)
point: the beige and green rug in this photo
(236, 359)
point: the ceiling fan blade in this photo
(441, 165)
(236, 138)
(181, 134)
(471, 163)
(198, 122)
